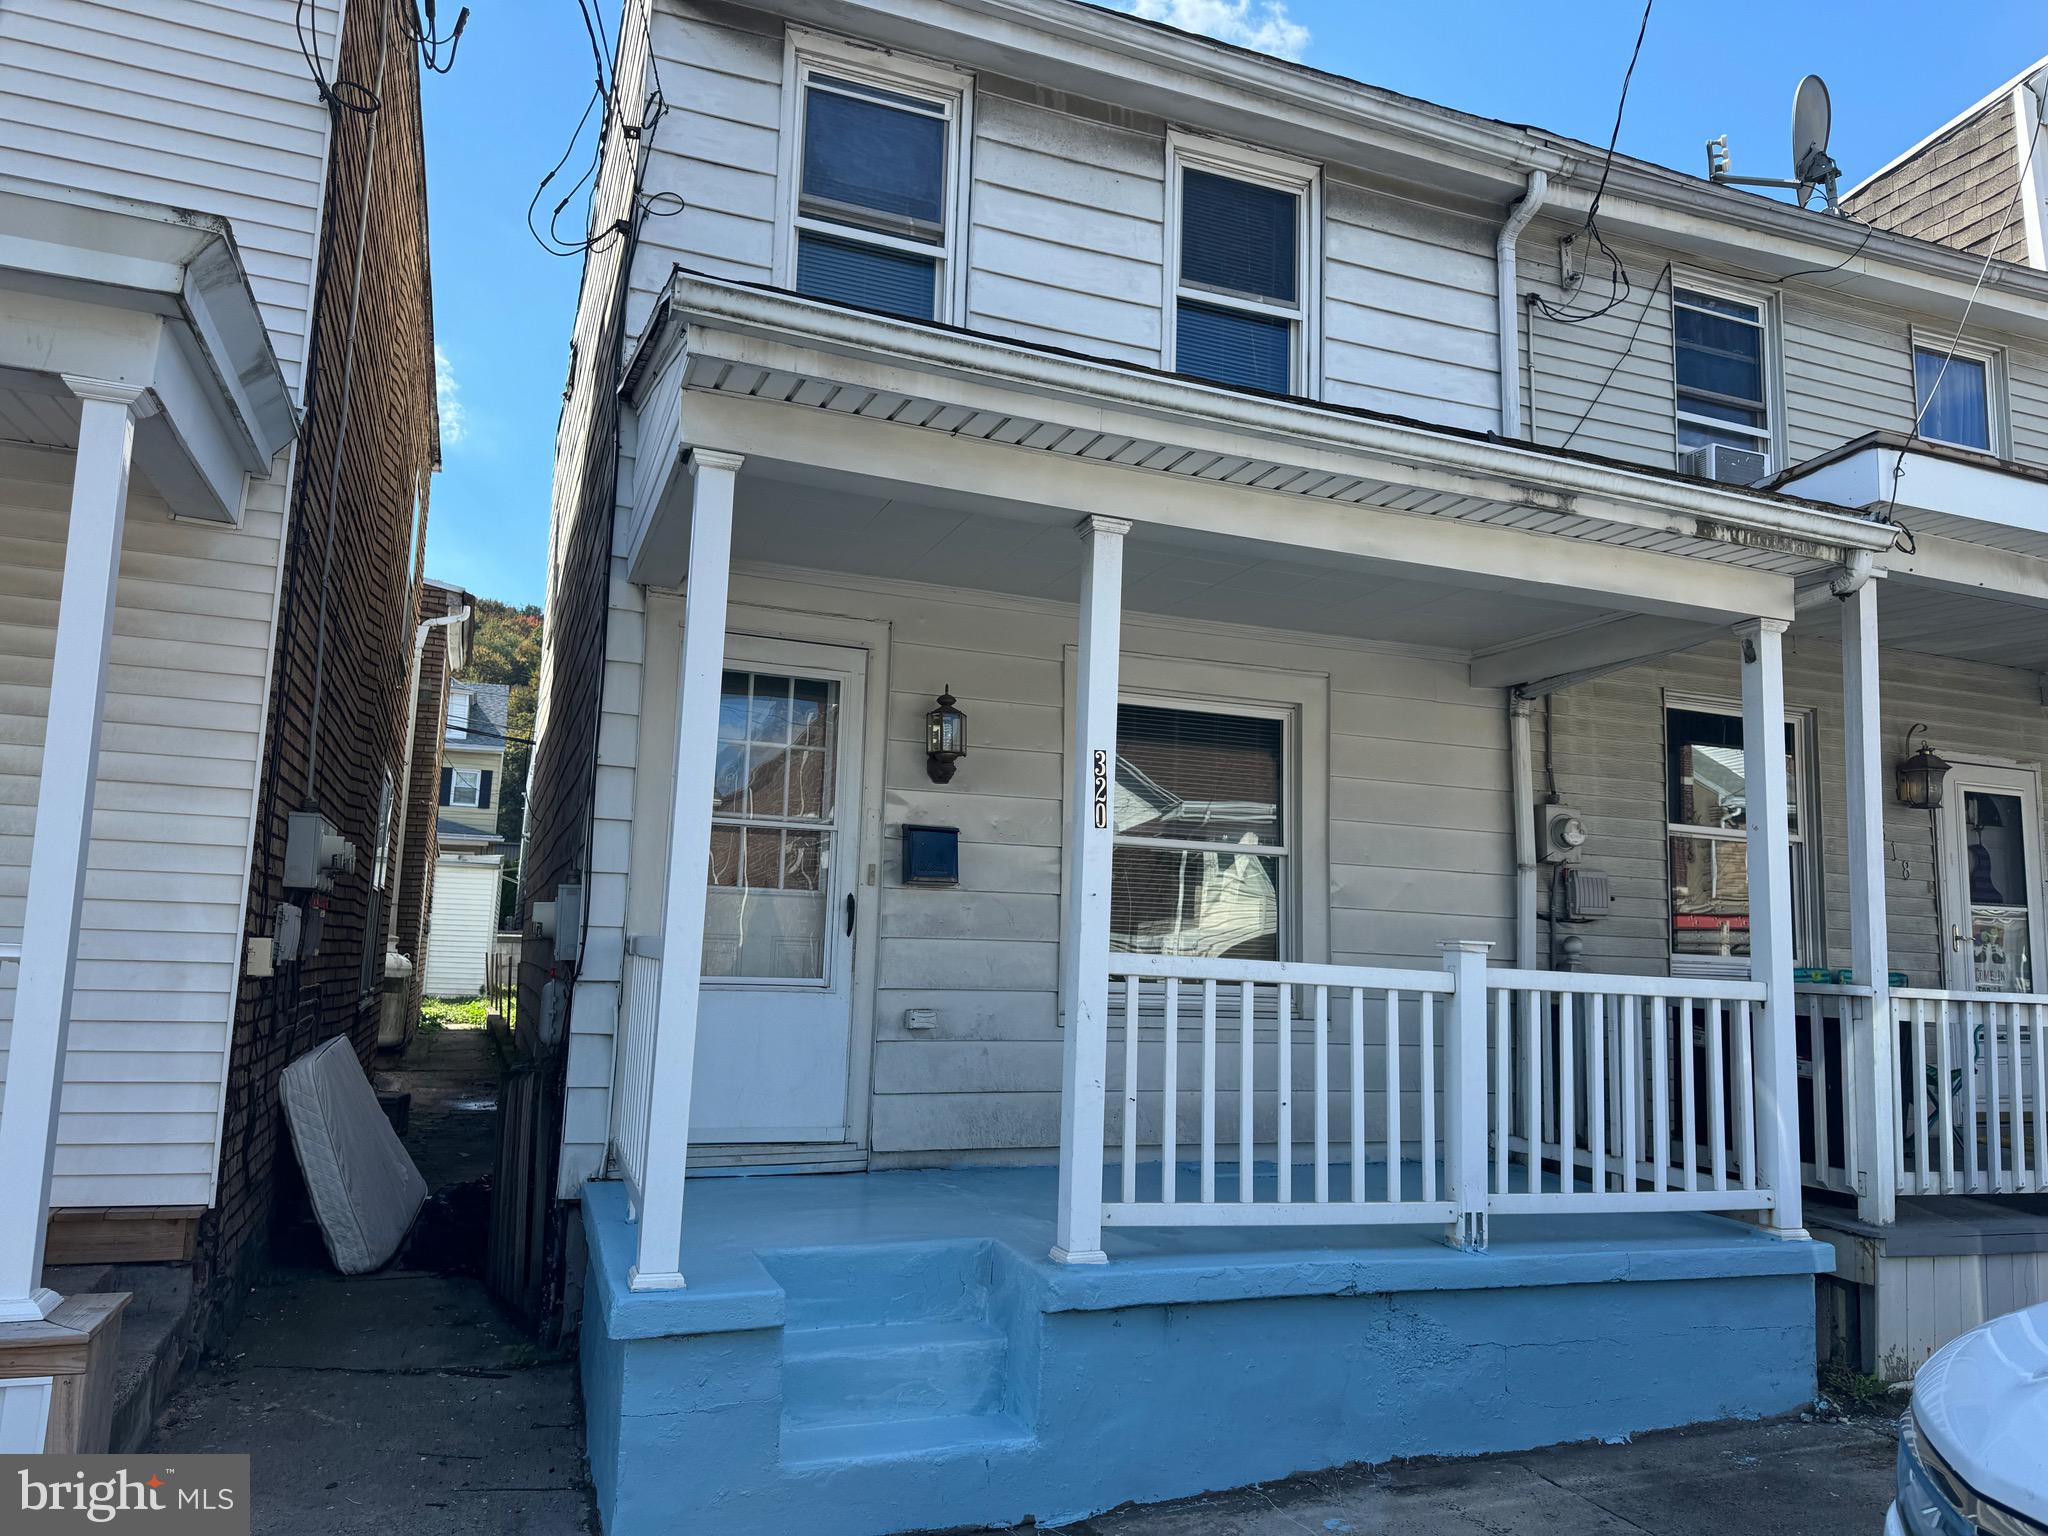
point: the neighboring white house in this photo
(164, 189)
(1432, 760)
(469, 867)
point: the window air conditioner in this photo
(1724, 465)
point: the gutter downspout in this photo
(412, 715)
(1524, 812)
(1508, 308)
(1854, 575)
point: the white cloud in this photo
(448, 394)
(1261, 24)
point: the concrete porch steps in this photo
(888, 1352)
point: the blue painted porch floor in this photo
(868, 1353)
(730, 1222)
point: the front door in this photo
(1991, 879)
(775, 1019)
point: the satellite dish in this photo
(1812, 169)
(1812, 117)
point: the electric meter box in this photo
(314, 852)
(1560, 834)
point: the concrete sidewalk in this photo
(1784, 1479)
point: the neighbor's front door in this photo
(775, 1020)
(1991, 879)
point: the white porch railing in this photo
(1836, 1054)
(1266, 1061)
(1261, 1094)
(1973, 1101)
(633, 1062)
(1619, 1093)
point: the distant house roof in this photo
(488, 707)
(448, 830)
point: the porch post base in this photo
(1079, 1256)
(32, 1308)
(1468, 1231)
(654, 1280)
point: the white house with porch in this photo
(1196, 755)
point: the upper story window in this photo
(1957, 393)
(1244, 233)
(875, 181)
(465, 787)
(1722, 353)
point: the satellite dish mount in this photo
(1812, 167)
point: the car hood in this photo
(1982, 1401)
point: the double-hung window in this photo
(1707, 831)
(1202, 853)
(1722, 353)
(1244, 265)
(465, 786)
(875, 182)
(1956, 392)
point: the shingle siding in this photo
(1959, 189)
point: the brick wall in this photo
(345, 623)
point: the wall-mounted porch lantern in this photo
(1920, 776)
(945, 738)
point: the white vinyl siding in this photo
(190, 103)
(1419, 844)
(1409, 323)
(1846, 372)
(1068, 227)
(161, 931)
(1609, 765)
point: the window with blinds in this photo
(1202, 851)
(1721, 355)
(1241, 272)
(872, 226)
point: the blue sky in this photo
(503, 307)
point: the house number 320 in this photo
(1101, 791)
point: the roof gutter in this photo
(1508, 298)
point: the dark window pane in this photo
(1225, 347)
(866, 276)
(1198, 777)
(1721, 357)
(1709, 896)
(1960, 411)
(1238, 236)
(873, 164)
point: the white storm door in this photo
(776, 1009)
(1991, 879)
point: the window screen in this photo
(1201, 833)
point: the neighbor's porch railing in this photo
(633, 1061)
(1973, 1093)
(1250, 1093)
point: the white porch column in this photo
(1770, 914)
(1084, 942)
(1870, 1063)
(658, 1261)
(63, 834)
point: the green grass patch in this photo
(1854, 1392)
(452, 1013)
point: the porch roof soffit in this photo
(1461, 158)
(155, 297)
(737, 352)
